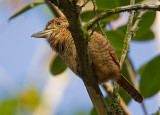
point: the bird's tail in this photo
(124, 83)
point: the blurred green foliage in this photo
(81, 113)
(8, 106)
(29, 99)
(149, 83)
(26, 101)
(26, 8)
(158, 112)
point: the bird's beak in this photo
(43, 34)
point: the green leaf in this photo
(149, 83)
(107, 3)
(140, 71)
(58, 66)
(142, 35)
(144, 32)
(89, 14)
(113, 3)
(127, 2)
(116, 39)
(124, 95)
(26, 8)
(138, 1)
(8, 107)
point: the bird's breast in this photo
(102, 62)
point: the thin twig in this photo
(128, 35)
(115, 107)
(100, 27)
(126, 43)
(127, 40)
(84, 4)
(144, 109)
(54, 9)
(132, 2)
(109, 89)
(134, 27)
(125, 47)
(117, 10)
(98, 23)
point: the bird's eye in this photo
(58, 23)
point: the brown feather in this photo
(124, 83)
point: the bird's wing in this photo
(114, 56)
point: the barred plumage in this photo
(104, 60)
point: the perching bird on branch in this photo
(104, 60)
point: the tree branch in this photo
(128, 35)
(80, 36)
(134, 27)
(117, 10)
(84, 4)
(54, 9)
(128, 38)
(98, 23)
(125, 49)
(109, 89)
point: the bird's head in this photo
(52, 27)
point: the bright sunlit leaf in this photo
(26, 8)
(29, 99)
